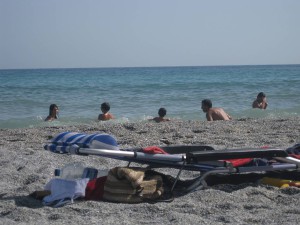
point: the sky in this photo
(141, 33)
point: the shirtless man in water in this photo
(161, 112)
(105, 107)
(213, 113)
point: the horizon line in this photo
(120, 67)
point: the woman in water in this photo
(53, 113)
(260, 102)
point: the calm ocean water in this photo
(136, 94)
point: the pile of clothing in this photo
(121, 184)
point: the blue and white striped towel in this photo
(65, 140)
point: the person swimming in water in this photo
(53, 113)
(105, 115)
(213, 113)
(162, 112)
(260, 102)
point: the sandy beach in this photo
(26, 167)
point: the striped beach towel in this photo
(65, 141)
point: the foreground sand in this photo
(26, 167)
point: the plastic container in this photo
(76, 170)
(90, 173)
(72, 171)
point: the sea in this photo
(136, 93)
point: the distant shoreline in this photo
(139, 67)
(95, 123)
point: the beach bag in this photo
(132, 185)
